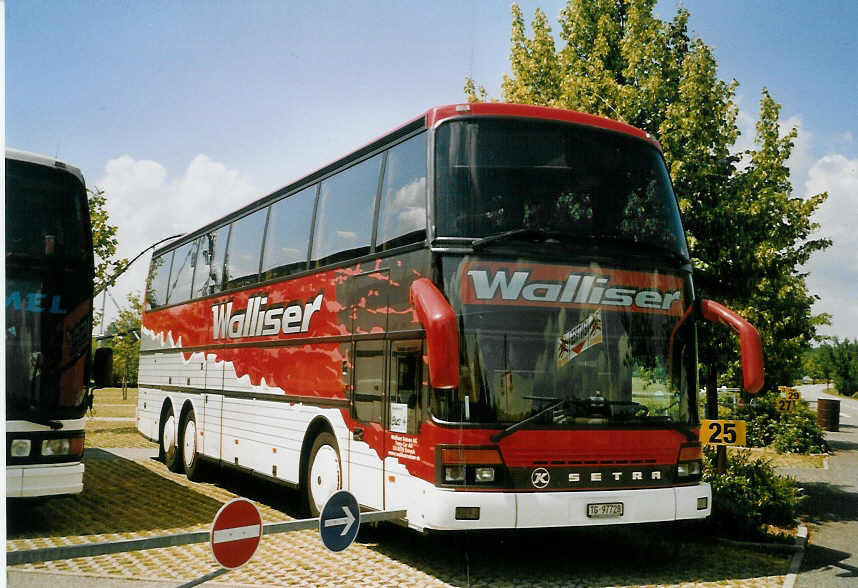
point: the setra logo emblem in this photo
(540, 478)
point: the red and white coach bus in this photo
(485, 318)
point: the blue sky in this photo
(184, 111)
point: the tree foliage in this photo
(747, 234)
(834, 361)
(125, 330)
(104, 241)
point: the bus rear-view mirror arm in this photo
(753, 374)
(442, 334)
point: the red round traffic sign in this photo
(236, 532)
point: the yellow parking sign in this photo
(790, 399)
(723, 432)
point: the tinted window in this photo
(159, 277)
(494, 176)
(45, 213)
(209, 275)
(288, 236)
(182, 273)
(402, 218)
(345, 214)
(245, 246)
(369, 367)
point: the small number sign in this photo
(789, 401)
(722, 432)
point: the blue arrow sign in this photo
(339, 521)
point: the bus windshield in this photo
(45, 214)
(496, 176)
(48, 289)
(605, 346)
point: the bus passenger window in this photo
(288, 237)
(369, 370)
(345, 212)
(405, 386)
(183, 273)
(402, 213)
(208, 278)
(159, 278)
(245, 246)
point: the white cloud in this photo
(834, 272)
(146, 206)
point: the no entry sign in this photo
(236, 531)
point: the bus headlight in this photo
(688, 469)
(51, 447)
(690, 461)
(454, 473)
(20, 448)
(484, 474)
(465, 466)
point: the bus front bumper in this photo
(44, 480)
(460, 510)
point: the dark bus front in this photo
(563, 256)
(49, 278)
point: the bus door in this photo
(404, 390)
(369, 306)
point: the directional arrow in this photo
(337, 531)
(347, 520)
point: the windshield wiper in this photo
(516, 426)
(534, 235)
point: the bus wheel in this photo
(190, 457)
(169, 447)
(323, 472)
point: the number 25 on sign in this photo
(722, 432)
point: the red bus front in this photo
(576, 396)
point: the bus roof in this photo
(435, 116)
(26, 156)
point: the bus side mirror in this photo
(442, 335)
(102, 366)
(753, 373)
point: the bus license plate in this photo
(605, 511)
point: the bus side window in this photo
(245, 247)
(369, 392)
(159, 278)
(208, 278)
(345, 213)
(288, 237)
(405, 386)
(182, 275)
(402, 211)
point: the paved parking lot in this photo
(128, 494)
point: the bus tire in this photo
(323, 476)
(169, 447)
(190, 456)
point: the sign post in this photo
(339, 521)
(236, 533)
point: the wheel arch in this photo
(318, 425)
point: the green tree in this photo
(747, 235)
(125, 330)
(842, 357)
(104, 242)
